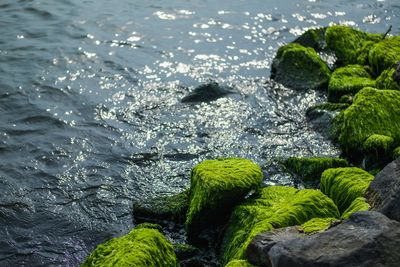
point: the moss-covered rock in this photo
(314, 38)
(346, 99)
(216, 187)
(377, 143)
(363, 52)
(372, 112)
(273, 207)
(348, 80)
(348, 43)
(310, 169)
(386, 81)
(150, 226)
(344, 185)
(162, 208)
(358, 204)
(385, 54)
(300, 67)
(141, 247)
(396, 153)
(317, 225)
(239, 263)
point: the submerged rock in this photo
(384, 192)
(314, 38)
(372, 112)
(207, 92)
(343, 185)
(366, 239)
(348, 81)
(385, 54)
(216, 187)
(298, 67)
(311, 168)
(322, 115)
(162, 208)
(348, 43)
(141, 247)
(273, 207)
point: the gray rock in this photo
(383, 193)
(261, 244)
(207, 92)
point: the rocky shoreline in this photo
(348, 216)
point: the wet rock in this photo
(389, 79)
(385, 54)
(156, 209)
(141, 247)
(384, 192)
(207, 92)
(367, 238)
(348, 81)
(348, 43)
(321, 115)
(259, 247)
(298, 67)
(314, 38)
(273, 207)
(216, 187)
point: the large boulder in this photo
(384, 192)
(348, 43)
(348, 80)
(216, 187)
(344, 185)
(273, 207)
(300, 67)
(385, 54)
(366, 239)
(373, 112)
(143, 246)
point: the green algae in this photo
(314, 38)
(150, 226)
(346, 99)
(216, 187)
(396, 153)
(358, 204)
(372, 112)
(310, 169)
(273, 207)
(344, 185)
(239, 263)
(300, 67)
(163, 208)
(363, 52)
(385, 54)
(386, 81)
(348, 80)
(317, 225)
(377, 143)
(348, 43)
(141, 247)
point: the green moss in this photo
(363, 52)
(358, 204)
(384, 54)
(396, 153)
(344, 185)
(378, 142)
(317, 225)
(273, 207)
(162, 208)
(312, 168)
(348, 43)
(314, 38)
(141, 247)
(348, 80)
(372, 112)
(298, 67)
(346, 99)
(386, 81)
(149, 226)
(216, 187)
(239, 263)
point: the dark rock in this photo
(367, 238)
(262, 243)
(321, 115)
(383, 193)
(207, 92)
(396, 74)
(314, 38)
